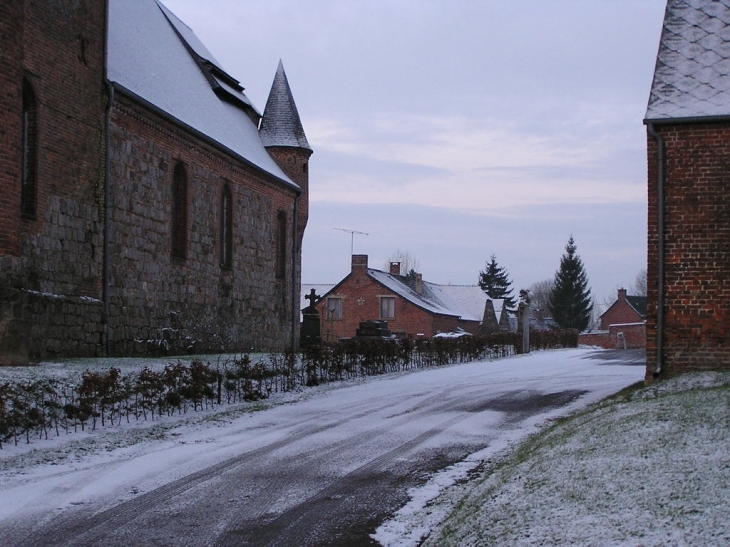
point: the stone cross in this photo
(313, 298)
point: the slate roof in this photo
(154, 56)
(692, 74)
(281, 125)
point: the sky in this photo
(455, 130)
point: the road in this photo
(323, 471)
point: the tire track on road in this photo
(88, 531)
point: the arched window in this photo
(226, 227)
(179, 212)
(29, 171)
(281, 245)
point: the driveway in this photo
(322, 471)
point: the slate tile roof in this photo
(281, 125)
(153, 55)
(692, 74)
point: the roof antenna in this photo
(352, 237)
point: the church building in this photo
(147, 205)
(688, 151)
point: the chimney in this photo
(538, 315)
(395, 268)
(621, 295)
(419, 283)
(359, 262)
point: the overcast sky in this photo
(458, 129)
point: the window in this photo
(226, 227)
(179, 212)
(387, 307)
(334, 308)
(29, 168)
(281, 245)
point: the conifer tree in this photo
(570, 300)
(496, 283)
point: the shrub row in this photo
(37, 408)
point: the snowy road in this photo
(322, 471)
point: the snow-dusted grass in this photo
(647, 467)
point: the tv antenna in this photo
(352, 237)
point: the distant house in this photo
(626, 310)
(411, 306)
(688, 144)
(623, 324)
(540, 321)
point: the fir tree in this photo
(496, 283)
(570, 300)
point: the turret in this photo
(283, 136)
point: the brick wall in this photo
(11, 76)
(295, 164)
(54, 258)
(697, 248)
(159, 304)
(620, 336)
(601, 339)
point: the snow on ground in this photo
(646, 468)
(149, 454)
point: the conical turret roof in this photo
(280, 125)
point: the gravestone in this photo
(310, 334)
(373, 329)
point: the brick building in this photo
(147, 205)
(626, 310)
(411, 306)
(623, 324)
(688, 126)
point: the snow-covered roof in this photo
(440, 299)
(692, 74)
(468, 299)
(154, 55)
(281, 125)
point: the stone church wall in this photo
(166, 305)
(52, 262)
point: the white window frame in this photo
(334, 312)
(388, 301)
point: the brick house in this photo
(688, 143)
(147, 205)
(626, 310)
(412, 307)
(623, 324)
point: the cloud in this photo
(474, 163)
